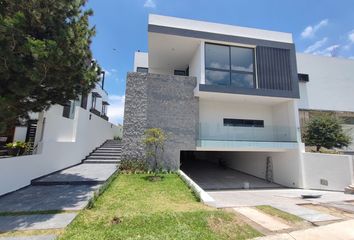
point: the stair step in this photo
(105, 154)
(102, 161)
(103, 157)
(108, 153)
(108, 148)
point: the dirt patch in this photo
(231, 227)
(330, 210)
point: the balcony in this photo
(104, 117)
(95, 111)
(268, 138)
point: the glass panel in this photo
(242, 59)
(217, 77)
(142, 69)
(242, 80)
(217, 56)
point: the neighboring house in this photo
(30, 131)
(327, 85)
(62, 136)
(222, 93)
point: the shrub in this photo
(16, 148)
(117, 138)
(154, 141)
(133, 166)
(325, 130)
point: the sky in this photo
(324, 27)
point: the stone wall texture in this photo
(160, 101)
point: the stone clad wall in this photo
(135, 119)
(160, 101)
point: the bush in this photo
(154, 140)
(325, 130)
(133, 166)
(16, 148)
(117, 138)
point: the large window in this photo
(229, 66)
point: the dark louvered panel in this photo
(274, 68)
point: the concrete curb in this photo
(204, 196)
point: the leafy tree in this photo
(325, 130)
(154, 140)
(45, 55)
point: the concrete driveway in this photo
(210, 176)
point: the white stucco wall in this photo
(195, 66)
(59, 150)
(141, 59)
(331, 83)
(213, 111)
(20, 134)
(287, 167)
(231, 30)
(336, 169)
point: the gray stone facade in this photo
(160, 101)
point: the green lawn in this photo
(278, 213)
(134, 208)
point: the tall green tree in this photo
(45, 55)
(325, 130)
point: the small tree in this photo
(325, 130)
(154, 140)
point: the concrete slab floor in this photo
(310, 215)
(335, 231)
(262, 219)
(210, 176)
(43, 198)
(246, 198)
(80, 174)
(36, 222)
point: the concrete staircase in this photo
(108, 152)
(68, 191)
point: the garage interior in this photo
(216, 170)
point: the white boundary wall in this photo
(58, 150)
(337, 170)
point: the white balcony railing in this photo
(218, 132)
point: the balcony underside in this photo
(229, 145)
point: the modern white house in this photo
(231, 95)
(327, 85)
(61, 137)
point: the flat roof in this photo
(201, 26)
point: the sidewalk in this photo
(335, 231)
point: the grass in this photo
(134, 208)
(278, 213)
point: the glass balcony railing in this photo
(219, 132)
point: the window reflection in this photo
(229, 66)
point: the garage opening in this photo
(216, 170)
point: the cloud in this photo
(352, 57)
(310, 31)
(116, 108)
(317, 45)
(351, 36)
(150, 4)
(107, 73)
(330, 51)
